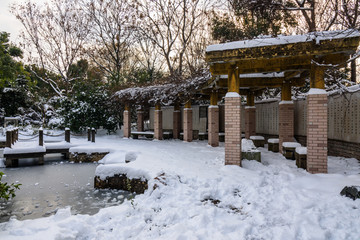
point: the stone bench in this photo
(135, 135)
(288, 149)
(251, 155)
(259, 141)
(301, 157)
(203, 136)
(273, 144)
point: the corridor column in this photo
(213, 120)
(127, 121)
(188, 126)
(140, 120)
(176, 121)
(233, 119)
(317, 129)
(286, 116)
(158, 133)
(250, 116)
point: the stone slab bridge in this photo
(247, 68)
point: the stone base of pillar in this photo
(176, 124)
(286, 122)
(188, 127)
(317, 130)
(140, 121)
(233, 129)
(250, 121)
(127, 124)
(158, 133)
(213, 129)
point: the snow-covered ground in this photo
(197, 197)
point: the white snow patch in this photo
(201, 198)
(273, 140)
(301, 150)
(291, 144)
(286, 102)
(281, 40)
(232, 94)
(257, 138)
(316, 91)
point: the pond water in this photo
(54, 185)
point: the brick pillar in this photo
(188, 126)
(140, 120)
(317, 133)
(286, 122)
(127, 122)
(213, 125)
(176, 122)
(250, 121)
(233, 129)
(158, 132)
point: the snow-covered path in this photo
(200, 198)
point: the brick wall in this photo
(213, 130)
(140, 121)
(127, 124)
(158, 130)
(188, 125)
(286, 123)
(317, 133)
(250, 122)
(232, 131)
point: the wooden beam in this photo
(317, 76)
(250, 99)
(233, 79)
(188, 104)
(214, 98)
(262, 82)
(286, 91)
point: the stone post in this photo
(158, 132)
(140, 120)
(317, 128)
(8, 139)
(88, 134)
(67, 134)
(41, 137)
(286, 116)
(93, 132)
(250, 116)
(188, 126)
(213, 120)
(176, 121)
(233, 120)
(127, 122)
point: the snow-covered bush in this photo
(89, 107)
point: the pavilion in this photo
(245, 67)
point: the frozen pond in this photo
(55, 185)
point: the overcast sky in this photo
(8, 22)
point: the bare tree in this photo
(318, 15)
(111, 35)
(349, 18)
(171, 25)
(54, 35)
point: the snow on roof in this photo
(166, 94)
(282, 40)
(260, 75)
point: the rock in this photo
(121, 182)
(352, 192)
